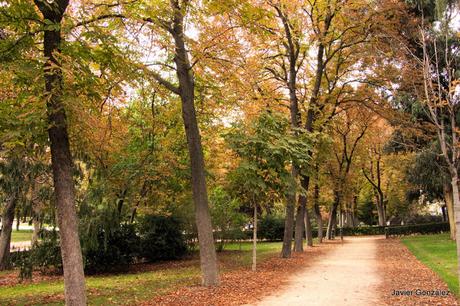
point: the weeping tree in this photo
(12, 184)
(266, 148)
(437, 64)
(430, 174)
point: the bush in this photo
(427, 228)
(271, 228)
(362, 230)
(22, 260)
(113, 250)
(161, 238)
(119, 248)
(46, 255)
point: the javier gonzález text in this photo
(420, 292)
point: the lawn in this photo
(129, 288)
(437, 252)
(21, 235)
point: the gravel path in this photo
(348, 275)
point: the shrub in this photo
(113, 250)
(161, 238)
(46, 255)
(271, 228)
(427, 228)
(22, 260)
(362, 230)
(119, 248)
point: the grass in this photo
(123, 289)
(21, 235)
(437, 252)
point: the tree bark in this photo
(448, 198)
(18, 220)
(185, 76)
(333, 216)
(380, 209)
(299, 225)
(289, 221)
(456, 202)
(254, 240)
(5, 235)
(36, 230)
(308, 232)
(319, 219)
(61, 159)
(444, 213)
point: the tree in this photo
(373, 175)
(61, 158)
(173, 25)
(433, 58)
(226, 215)
(265, 151)
(349, 128)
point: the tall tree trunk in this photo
(333, 215)
(36, 209)
(448, 198)
(456, 202)
(299, 225)
(5, 235)
(308, 231)
(319, 218)
(185, 76)
(444, 213)
(380, 210)
(61, 159)
(319, 221)
(332, 222)
(302, 215)
(36, 230)
(289, 221)
(353, 210)
(18, 220)
(254, 240)
(121, 200)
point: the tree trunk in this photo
(331, 222)
(289, 221)
(308, 233)
(319, 219)
(299, 225)
(448, 198)
(5, 235)
(456, 203)
(36, 231)
(380, 214)
(444, 213)
(18, 220)
(61, 159)
(333, 216)
(353, 210)
(378, 204)
(254, 240)
(185, 76)
(380, 210)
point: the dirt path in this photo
(347, 275)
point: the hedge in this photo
(427, 228)
(362, 230)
